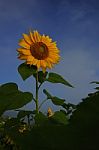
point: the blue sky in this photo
(75, 27)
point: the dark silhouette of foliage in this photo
(81, 133)
(71, 128)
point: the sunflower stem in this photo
(43, 102)
(37, 107)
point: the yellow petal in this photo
(49, 65)
(27, 38)
(37, 36)
(53, 54)
(32, 38)
(35, 61)
(30, 58)
(23, 43)
(43, 64)
(53, 49)
(53, 45)
(50, 59)
(24, 51)
(48, 39)
(44, 40)
(22, 57)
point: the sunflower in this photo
(38, 50)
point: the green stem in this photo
(28, 120)
(37, 107)
(43, 102)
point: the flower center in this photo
(39, 50)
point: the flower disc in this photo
(39, 50)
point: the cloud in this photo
(78, 15)
(80, 63)
(79, 67)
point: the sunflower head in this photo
(50, 113)
(38, 50)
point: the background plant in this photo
(81, 131)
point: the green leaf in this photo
(96, 82)
(11, 98)
(60, 118)
(55, 100)
(56, 78)
(41, 76)
(19, 99)
(26, 70)
(97, 88)
(49, 96)
(68, 106)
(8, 88)
(40, 119)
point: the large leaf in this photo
(8, 88)
(56, 78)
(11, 98)
(41, 119)
(26, 70)
(60, 118)
(20, 99)
(55, 100)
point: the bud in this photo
(50, 112)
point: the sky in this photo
(74, 24)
